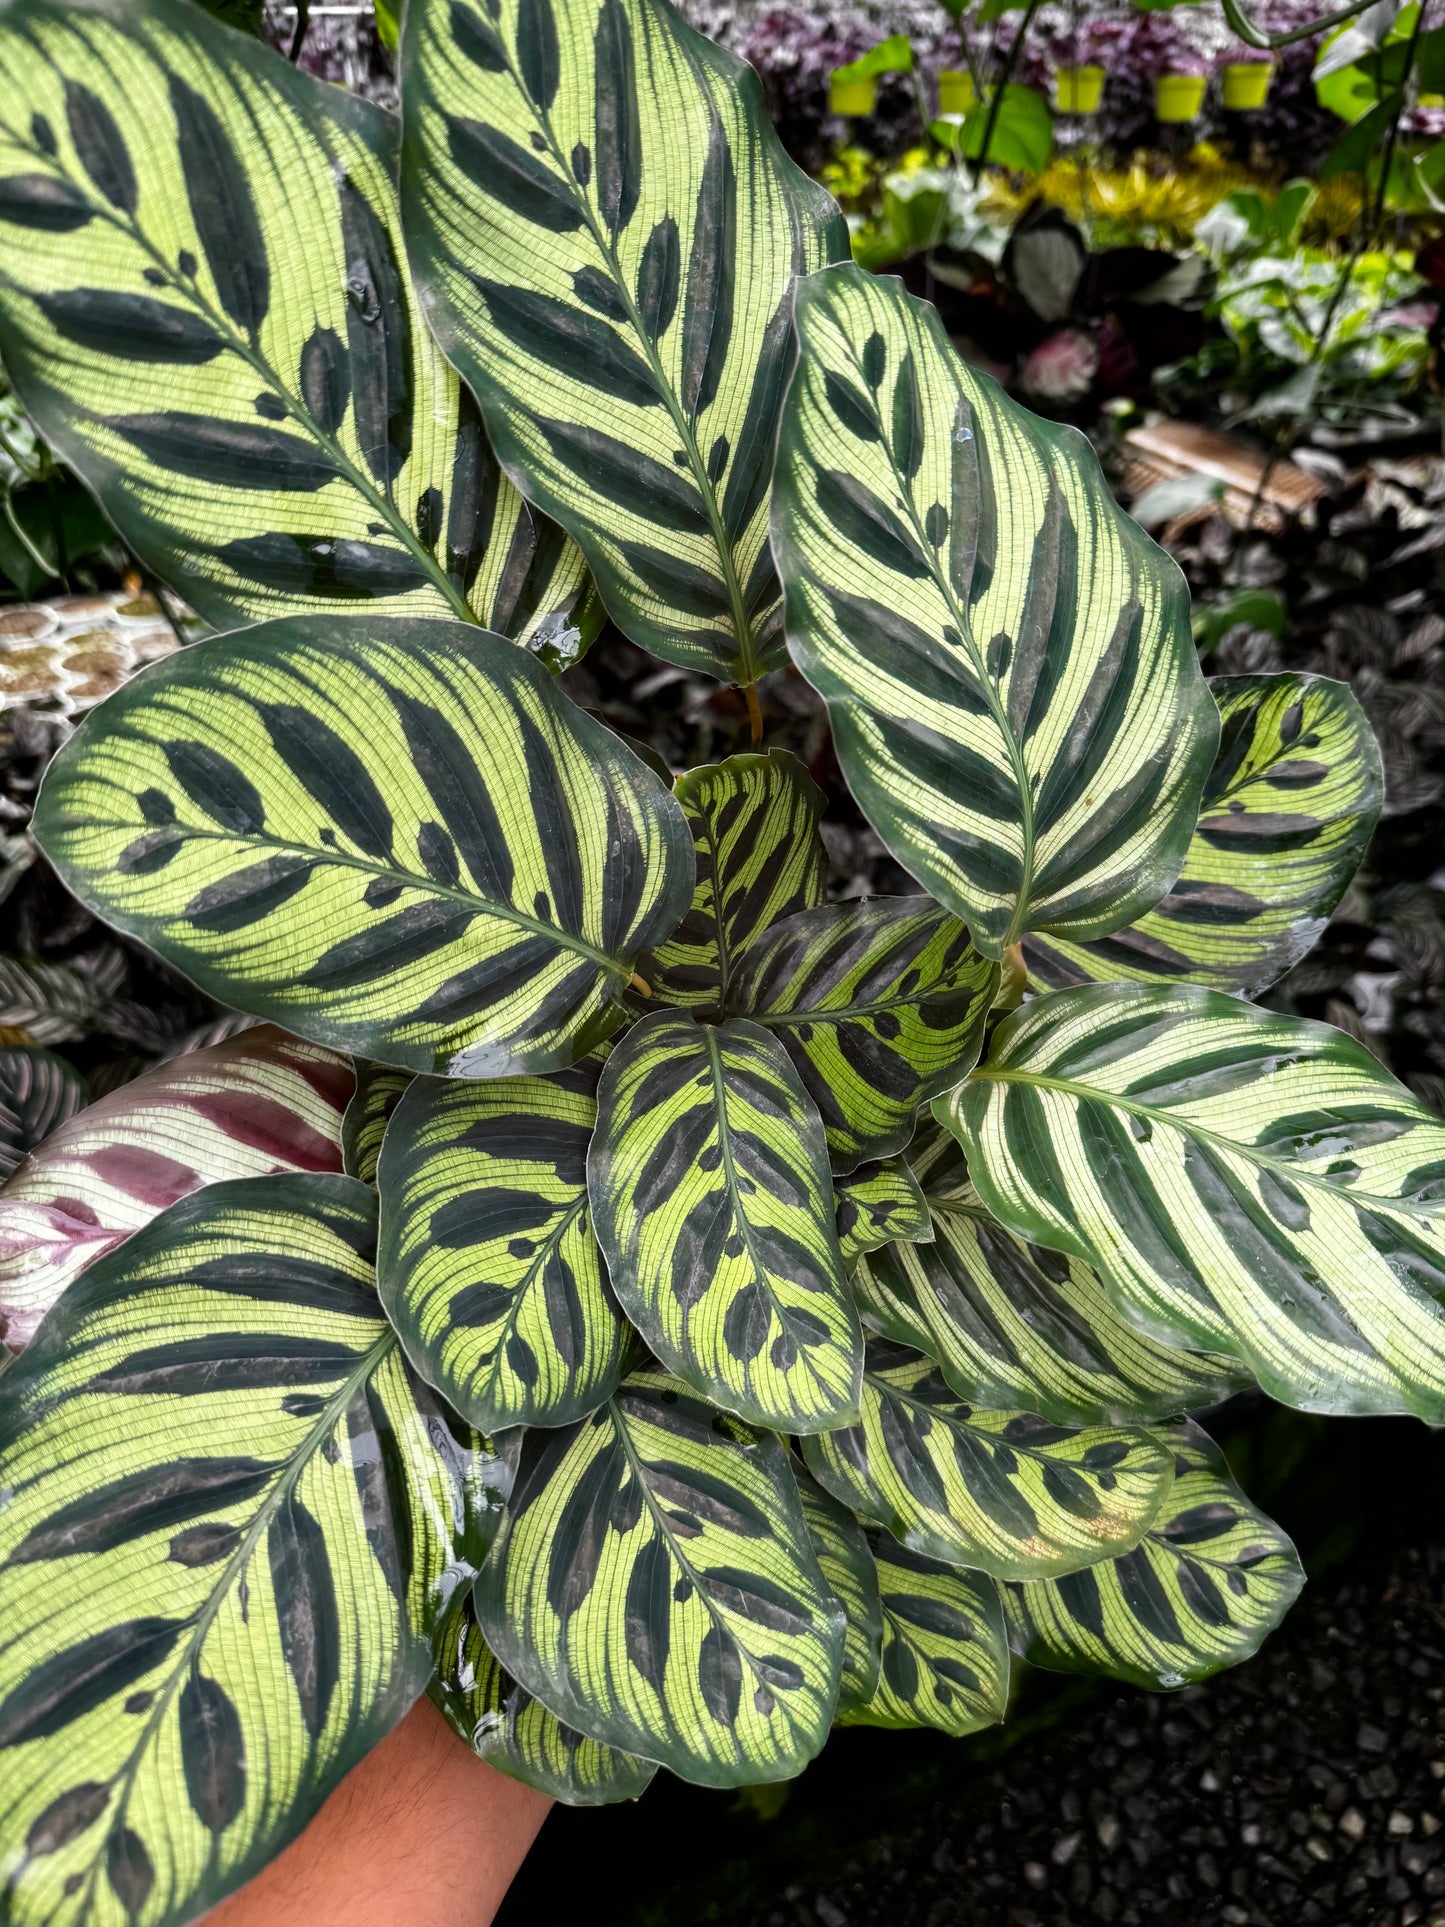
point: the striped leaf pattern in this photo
(879, 1204)
(712, 1201)
(879, 1003)
(235, 1520)
(1243, 1181)
(204, 306)
(488, 1266)
(654, 1584)
(1288, 809)
(606, 230)
(754, 822)
(1012, 1324)
(379, 1089)
(1204, 1587)
(465, 897)
(847, 1565)
(1006, 657)
(258, 1104)
(1006, 1493)
(38, 1091)
(945, 1657)
(503, 1725)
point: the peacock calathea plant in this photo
(657, 1309)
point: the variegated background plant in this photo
(661, 1311)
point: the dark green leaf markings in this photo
(503, 1725)
(489, 1269)
(879, 1004)
(235, 1522)
(467, 896)
(606, 231)
(754, 822)
(249, 387)
(1007, 1493)
(654, 1584)
(943, 1655)
(1205, 1586)
(1287, 811)
(1006, 657)
(713, 1204)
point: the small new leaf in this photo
(944, 1660)
(754, 823)
(880, 1204)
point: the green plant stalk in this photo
(1285, 440)
(996, 102)
(1254, 36)
(22, 538)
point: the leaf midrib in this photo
(240, 1558)
(1293, 1173)
(1019, 922)
(740, 1217)
(495, 1367)
(699, 1579)
(239, 344)
(747, 671)
(489, 906)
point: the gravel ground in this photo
(1309, 1787)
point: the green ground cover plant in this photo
(659, 1311)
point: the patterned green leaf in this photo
(712, 1202)
(879, 1004)
(488, 1266)
(654, 1584)
(879, 1204)
(1288, 808)
(506, 1727)
(466, 897)
(379, 1089)
(1013, 1324)
(257, 1104)
(1205, 1585)
(38, 1091)
(754, 822)
(234, 1522)
(606, 232)
(1005, 655)
(204, 307)
(1005, 1492)
(1249, 1182)
(847, 1565)
(944, 1657)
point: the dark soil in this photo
(1307, 1786)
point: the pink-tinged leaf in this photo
(257, 1104)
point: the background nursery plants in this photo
(660, 1310)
